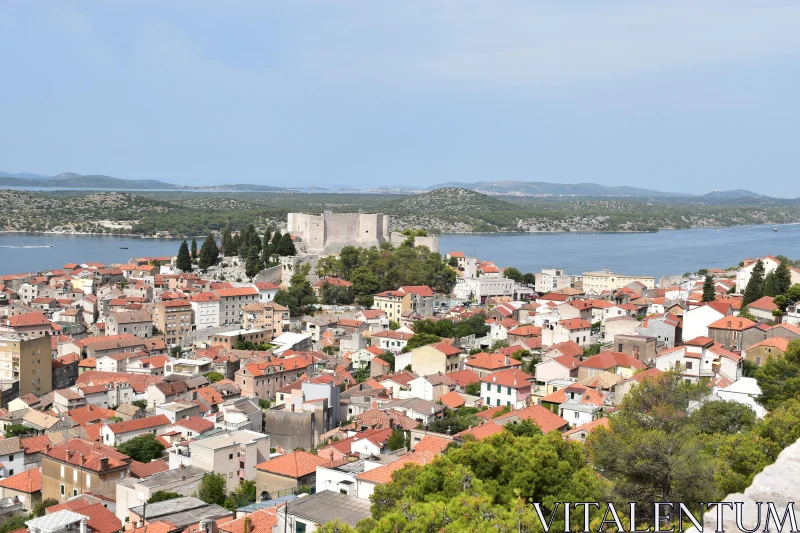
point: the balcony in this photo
(242, 474)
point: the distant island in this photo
(491, 188)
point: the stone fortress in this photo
(328, 232)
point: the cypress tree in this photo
(755, 287)
(253, 263)
(769, 285)
(194, 248)
(709, 294)
(227, 242)
(266, 248)
(286, 246)
(208, 253)
(783, 279)
(184, 261)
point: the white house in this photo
(561, 367)
(112, 363)
(701, 358)
(744, 391)
(744, 273)
(510, 388)
(266, 291)
(12, 457)
(119, 432)
(391, 341)
(574, 329)
(205, 310)
(697, 319)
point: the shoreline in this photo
(481, 233)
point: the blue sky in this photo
(679, 95)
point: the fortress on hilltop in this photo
(330, 232)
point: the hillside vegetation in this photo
(446, 210)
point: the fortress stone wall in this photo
(330, 232)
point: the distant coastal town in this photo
(330, 371)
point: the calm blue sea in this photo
(652, 254)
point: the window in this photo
(508, 389)
(577, 414)
(499, 389)
(230, 456)
(74, 492)
(62, 489)
(619, 347)
(11, 457)
(758, 361)
(11, 472)
(508, 404)
(688, 365)
(498, 402)
(62, 473)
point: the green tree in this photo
(14, 522)
(266, 247)
(525, 428)
(709, 294)
(651, 451)
(212, 489)
(783, 279)
(143, 448)
(162, 496)
(723, 417)
(336, 526)
(208, 253)
(227, 242)
(194, 248)
(529, 278)
(336, 294)
(755, 287)
(513, 274)
(388, 357)
(365, 281)
(396, 440)
(244, 494)
(781, 427)
(480, 486)
(769, 285)
(184, 260)
(473, 389)
(793, 294)
(253, 262)
(141, 404)
(299, 297)
(739, 457)
(420, 339)
(453, 262)
(286, 246)
(779, 378)
(213, 377)
(17, 430)
(41, 507)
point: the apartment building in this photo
(234, 455)
(231, 302)
(174, 320)
(80, 466)
(605, 280)
(25, 365)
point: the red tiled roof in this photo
(263, 520)
(464, 377)
(419, 290)
(383, 474)
(238, 291)
(732, 323)
(138, 424)
(569, 347)
(28, 319)
(542, 417)
(90, 413)
(28, 481)
(295, 465)
(483, 431)
(575, 323)
(588, 427)
(432, 444)
(141, 470)
(491, 361)
(699, 341)
(33, 445)
(606, 360)
(765, 303)
(196, 423)
(92, 453)
(452, 399)
(567, 361)
(508, 378)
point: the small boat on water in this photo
(123, 247)
(775, 229)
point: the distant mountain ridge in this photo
(490, 188)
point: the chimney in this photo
(331, 455)
(636, 352)
(82, 460)
(507, 361)
(83, 528)
(104, 463)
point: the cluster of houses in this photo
(309, 409)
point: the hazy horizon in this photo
(677, 97)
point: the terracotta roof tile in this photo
(28, 481)
(432, 444)
(295, 465)
(545, 419)
(383, 474)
